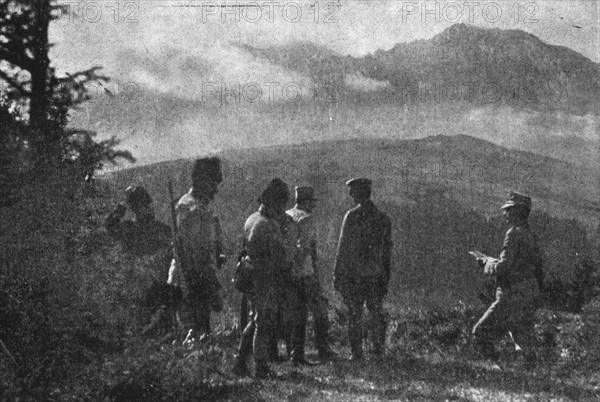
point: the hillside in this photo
(442, 193)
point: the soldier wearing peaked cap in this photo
(363, 265)
(306, 278)
(199, 244)
(518, 280)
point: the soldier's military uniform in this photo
(518, 275)
(142, 236)
(362, 268)
(292, 309)
(307, 277)
(199, 247)
(265, 247)
(147, 241)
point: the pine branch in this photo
(10, 80)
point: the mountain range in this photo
(447, 85)
(464, 63)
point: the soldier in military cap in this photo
(146, 241)
(199, 244)
(306, 277)
(363, 264)
(518, 274)
(265, 247)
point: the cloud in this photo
(360, 82)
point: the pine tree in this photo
(41, 98)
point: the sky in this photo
(172, 46)
(174, 53)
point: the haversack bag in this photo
(244, 274)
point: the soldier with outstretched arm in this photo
(147, 241)
(518, 280)
(363, 265)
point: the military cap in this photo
(137, 195)
(515, 199)
(277, 190)
(207, 169)
(359, 182)
(305, 193)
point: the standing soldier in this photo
(292, 307)
(362, 268)
(518, 278)
(199, 245)
(148, 240)
(307, 279)
(265, 250)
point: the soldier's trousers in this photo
(291, 321)
(259, 330)
(356, 295)
(513, 310)
(201, 306)
(312, 300)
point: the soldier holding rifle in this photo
(518, 280)
(198, 244)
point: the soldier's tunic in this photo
(292, 308)
(149, 239)
(198, 244)
(362, 270)
(148, 244)
(517, 292)
(264, 243)
(306, 275)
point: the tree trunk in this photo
(42, 139)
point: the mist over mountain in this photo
(463, 63)
(507, 87)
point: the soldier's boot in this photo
(274, 349)
(156, 323)
(216, 302)
(298, 341)
(247, 339)
(355, 337)
(263, 371)
(379, 338)
(201, 321)
(240, 368)
(485, 348)
(322, 340)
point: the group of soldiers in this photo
(279, 250)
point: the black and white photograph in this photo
(299, 200)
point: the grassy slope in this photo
(442, 193)
(439, 213)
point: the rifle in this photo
(243, 313)
(173, 219)
(175, 291)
